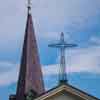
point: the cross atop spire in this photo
(62, 45)
(29, 6)
(30, 75)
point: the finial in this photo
(29, 6)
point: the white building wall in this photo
(63, 96)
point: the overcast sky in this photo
(80, 22)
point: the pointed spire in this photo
(30, 76)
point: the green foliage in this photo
(30, 95)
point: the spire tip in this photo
(29, 6)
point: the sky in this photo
(80, 22)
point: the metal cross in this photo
(62, 45)
(29, 5)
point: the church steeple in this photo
(30, 76)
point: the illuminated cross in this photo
(62, 45)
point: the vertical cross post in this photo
(62, 45)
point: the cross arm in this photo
(64, 45)
(58, 45)
(69, 45)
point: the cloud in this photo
(49, 16)
(78, 61)
(59, 14)
(8, 73)
(95, 40)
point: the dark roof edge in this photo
(71, 87)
